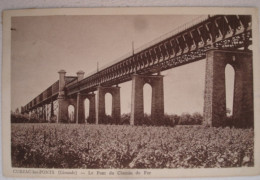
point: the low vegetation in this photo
(124, 146)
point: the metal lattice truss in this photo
(189, 45)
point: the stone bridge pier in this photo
(137, 104)
(77, 101)
(64, 103)
(116, 111)
(215, 90)
(80, 108)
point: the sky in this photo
(43, 45)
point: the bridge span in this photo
(220, 39)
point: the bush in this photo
(19, 118)
(33, 118)
(197, 118)
(107, 120)
(125, 118)
(184, 119)
(171, 120)
(53, 119)
(91, 120)
(187, 119)
(25, 118)
(147, 120)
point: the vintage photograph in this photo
(132, 91)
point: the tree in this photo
(17, 111)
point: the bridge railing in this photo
(55, 87)
(155, 41)
(93, 76)
(181, 28)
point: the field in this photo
(125, 146)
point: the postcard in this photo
(131, 92)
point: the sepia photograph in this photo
(135, 91)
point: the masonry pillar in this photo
(80, 109)
(137, 101)
(63, 105)
(38, 113)
(22, 110)
(215, 90)
(29, 114)
(92, 108)
(32, 112)
(243, 107)
(44, 112)
(77, 108)
(157, 111)
(116, 111)
(100, 105)
(52, 109)
(39, 109)
(47, 113)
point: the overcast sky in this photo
(41, 46)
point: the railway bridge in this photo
(220, 39)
